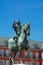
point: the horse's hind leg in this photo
(11, 55)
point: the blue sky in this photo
(25, 10)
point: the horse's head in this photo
(26, 28)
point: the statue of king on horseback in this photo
(19, 41)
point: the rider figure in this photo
(17, 27)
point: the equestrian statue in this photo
(19, 41)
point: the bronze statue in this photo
(19, 41)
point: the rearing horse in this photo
(22, 42)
